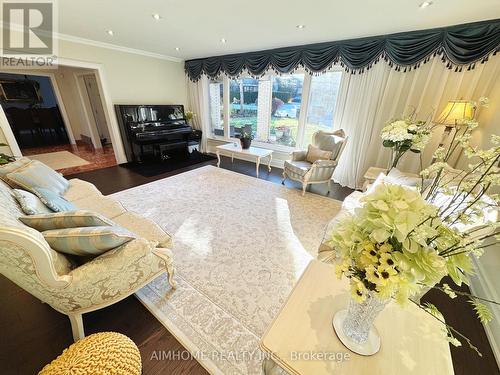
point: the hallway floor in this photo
(97, 158)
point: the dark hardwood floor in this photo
(32, 333)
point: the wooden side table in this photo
(301, 340)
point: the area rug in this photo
(240, 245)
(60, 159)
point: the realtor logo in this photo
(28, 33)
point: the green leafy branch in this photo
(4, 158)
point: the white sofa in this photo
(55, 279)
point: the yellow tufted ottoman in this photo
(106, 353)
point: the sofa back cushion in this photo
(37, 175)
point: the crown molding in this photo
(94, 43)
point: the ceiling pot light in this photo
(156, 16)
(425, 4)
(300, 26)
(110, 32)
(223, 40)
(177, 49)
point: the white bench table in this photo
(255, 152)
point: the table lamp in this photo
(454, 115)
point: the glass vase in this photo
(355, 328)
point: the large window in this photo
(215, 96)
(270, 107)
(285, 109)
(321, 106)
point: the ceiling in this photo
(196, 27)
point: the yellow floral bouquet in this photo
(403, 241)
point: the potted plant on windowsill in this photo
(245, 139)
(4, 158)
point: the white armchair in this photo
(321, 171)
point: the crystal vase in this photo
(355, 328)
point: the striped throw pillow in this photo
(66, 219)
(87, 241)
(35, 174)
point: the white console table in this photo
(254, 152)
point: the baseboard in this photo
(482, 286)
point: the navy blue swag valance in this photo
(460, 46)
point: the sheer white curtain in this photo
(198, 103)
(367, 101)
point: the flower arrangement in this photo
(405, 134)
(403, 241)
(189, 115)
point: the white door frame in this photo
(109, 111)
(57, 93)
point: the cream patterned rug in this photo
(240, 244)
(60, 159)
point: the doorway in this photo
(33, 111)
(94, 111)
(74, 147)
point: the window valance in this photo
(459, 46)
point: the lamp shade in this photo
(456, 112)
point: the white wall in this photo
(131, 78)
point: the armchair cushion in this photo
(298, 167)
(87, 241)
(314, 153)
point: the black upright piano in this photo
(153, 132)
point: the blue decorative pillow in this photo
(37, 175)
(66, 219)
(53, 200)
(88, 240)
(12, 167)
(30, 203)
